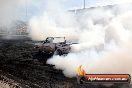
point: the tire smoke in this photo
(104, 35)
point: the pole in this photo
(26, 3)
(84, 4)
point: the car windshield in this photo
(50, 39)
(56, 40)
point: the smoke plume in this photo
(9, 11)
(104, 35)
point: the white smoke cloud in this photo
(47, 25)
(122, 1)
(9, 11)
(104, 35)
